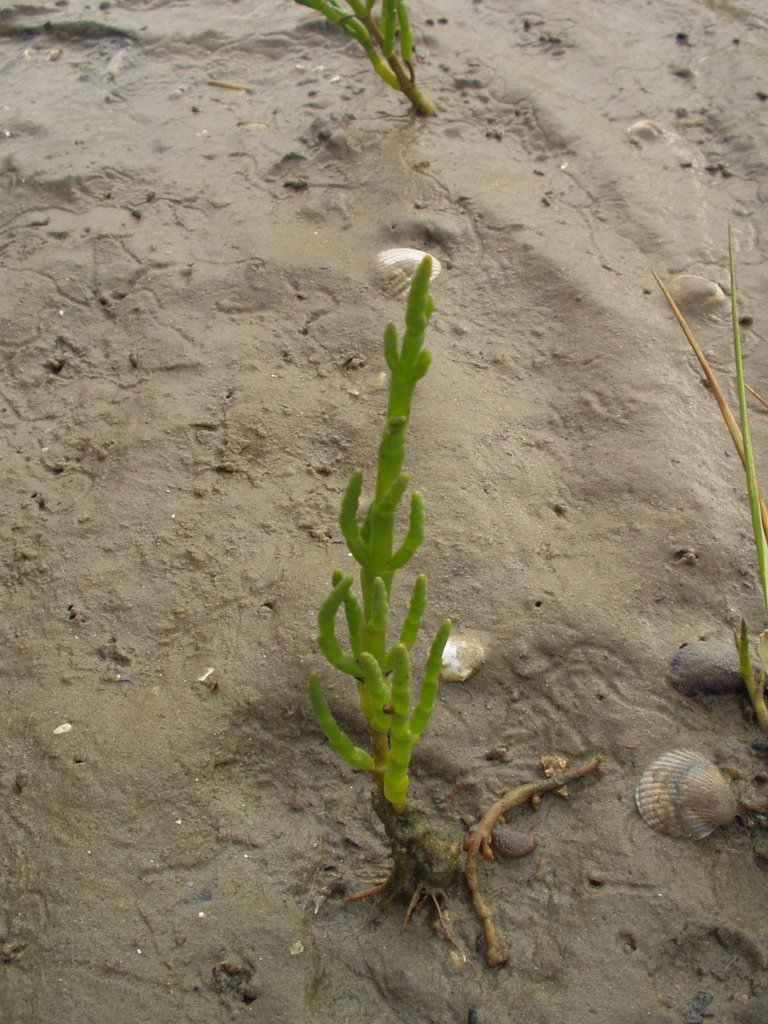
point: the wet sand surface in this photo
(191, 367)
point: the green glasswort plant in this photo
(382, 673)
(742, 439)
(387, 41)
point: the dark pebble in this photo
(756, 1011)
(706, 667)
(510, 843)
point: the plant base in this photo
(425, 860)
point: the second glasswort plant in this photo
(386, 38)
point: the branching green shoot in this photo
(386, 39)
(383, 672)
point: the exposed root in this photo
(373, 890)
(479, 842)
(415, 900)
(446, 926)
(426, 862)
(443, 924)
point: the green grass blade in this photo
(749, 459)
(757, 687)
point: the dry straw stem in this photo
(757, 395)
(722, 401)
(759, 513)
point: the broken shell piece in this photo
(462, 657)
(551, 765)
(683, 794)
(61, 729)
(397, 267)
(695, 294)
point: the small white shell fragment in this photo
(206, 675)
(297, 948)
(695, 294)
(397, 267)
(61, 729)
(462, 657)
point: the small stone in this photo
(705, 668)
(511, 843)
(11, 951)
(499, 753)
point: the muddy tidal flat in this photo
(193, 198)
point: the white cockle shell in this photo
(463, 655)
(696, 294)
(683, 794)
(645, 131)
(397, 267)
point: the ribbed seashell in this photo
(397, 267)
(683, 794)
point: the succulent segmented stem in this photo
(401, 741)
(416, 610)
(338, 740)
(326, 624)
(379, 39)
(383, 674)
(423, 710)
(388, 25)
(406, 36)
(375, 694)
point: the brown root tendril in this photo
(479, 842)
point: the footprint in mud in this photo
(232, 978)
(677, 177)
(707, 970)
